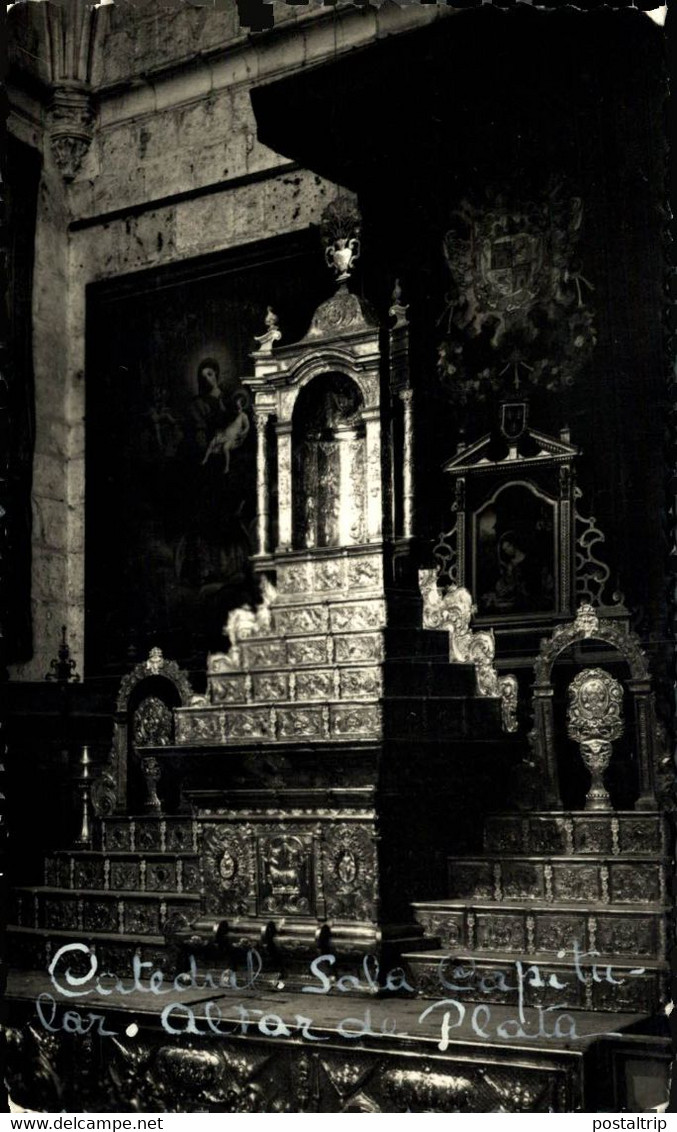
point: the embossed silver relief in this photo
(286, 874)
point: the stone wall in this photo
(174, 171)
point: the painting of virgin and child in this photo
(515, 553)
(171, 448)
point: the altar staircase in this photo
(140, 876)
(584, 897)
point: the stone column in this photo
(408, 513)
(372, 419)
(261, 418)
(348, 489)
(544, 727)
(643, 703)
(284, 485)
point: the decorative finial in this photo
(398, 309)
(63, 666)
(341, 225)
(586, 619)
(155, 661)
(272, 335)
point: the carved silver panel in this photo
(286, 874)
(361, 683)
(592, 835)
(357, 616)
(252, 724)
(357, 721)
(627, 935)
(365, 573)
(636, 882)
(328, 575)
(61, 914)
(312, 650)
(302, 619)
(100, 916)
(556, 932)
(294, 578)
(349, 869)
(88, 874)
(299, 722)
(229, 861)
(125, 875)
(263, 653)
(142, 918)
(471, 879)
(270, 687)
(118, 834)
(148, 835)
(639, 834)
(522, 880)
(227, 689)
(152, 724)
(199, 726)
(367, 646)
(501, 932)
(576, 882)
(315, 685)
(160, 876)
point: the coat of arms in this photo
(516, 313)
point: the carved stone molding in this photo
(73, 40)
(71, 122)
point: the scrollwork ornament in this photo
(592, 575)
(445, 553)
(155, 665)
(509, 692)
(589, 626)
(452, 609)
(103, 794)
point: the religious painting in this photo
(171, 446)
(514, 542)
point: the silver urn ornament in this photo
(342, 255)
(594, 720)
(340, 225)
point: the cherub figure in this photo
(225, 440)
